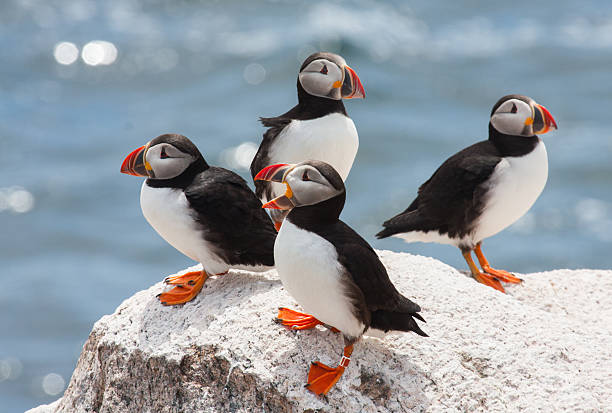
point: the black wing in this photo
(262, 158)
(453, 197)
(386, 307)
(232, 218)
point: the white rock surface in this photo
(545, 346)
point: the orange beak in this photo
(352, 87)
(277, 173)
(134, 163)
(543, 120)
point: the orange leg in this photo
(277, 225)
(321, 378)
(499, 274)
(187, 287)
(483, 278)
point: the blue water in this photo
(73, 243)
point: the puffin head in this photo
(308, 183)
(327, 75)
(519, 115)
(164, 157)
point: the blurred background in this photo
(85, 82)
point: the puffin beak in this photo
(277, 173)
(134, 164)
(543, 121)
(352, 87)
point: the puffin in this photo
(207, 213)
(331, 271)
(483, 188)
(318, 127)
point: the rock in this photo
(545, 346)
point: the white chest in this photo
(332, 139)
(308, 267)
(515, 185)
(167, 211)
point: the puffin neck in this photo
(312, 107)
(323, 213)
(509, 145)
(183, 180)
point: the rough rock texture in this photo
(545, 346)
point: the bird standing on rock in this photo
(484, 188)
(331, 271)
(318, 127)
(206, 212)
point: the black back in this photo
(376, 300)
(228, 213)
(231, 218)
(454, 197)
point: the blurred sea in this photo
(83, 82)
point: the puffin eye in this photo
(305, 176)
(324, 70)
(514, 109)
(163, 154)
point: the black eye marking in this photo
(324, 70)
(305, 176)
(514, 109)
(163, 154)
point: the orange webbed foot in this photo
(489, 280)
(321, 378)
(182, 280)
(502, 275)
(296, 320)
(188, 285)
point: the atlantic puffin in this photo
(484, 188)
(318, 127)
(331, 271)
(206, 212)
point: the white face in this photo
(514, 117)
(322, 78)
(164, 161)
(309, 187)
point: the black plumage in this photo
(329, 269)
(482, 189)
(308, 107)
(231, 218)
(228, 213)
(454, 197)
(376, 301)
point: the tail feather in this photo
(388, 320)
(404, 222)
